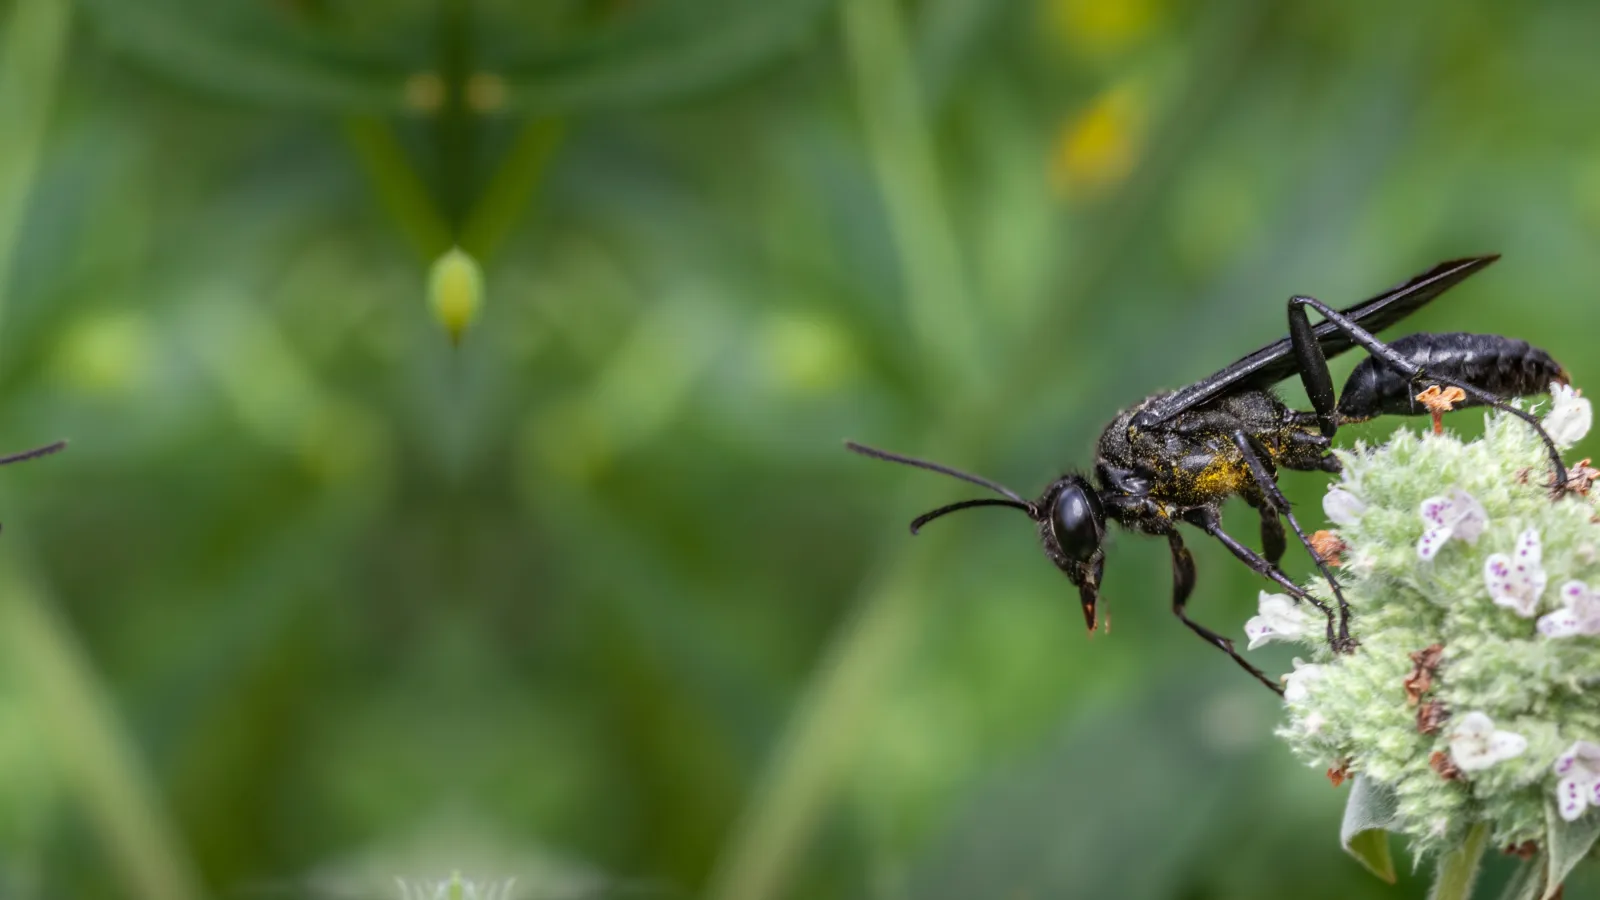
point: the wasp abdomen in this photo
(1500, 365)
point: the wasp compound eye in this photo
(1075, 522)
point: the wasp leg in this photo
(1210, 522)
(1182, 585)
(1319, 383)
(1272, 538)
(1274, 498)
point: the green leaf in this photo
(1368, 813)
(1569, 842)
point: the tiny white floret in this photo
(1517, 581)
(1281, 619)
(1297, 684)
(1570, 416)
(1313, 722)
(1342, 507)
(1579, 613)
(1456, 514)
(1476, 744)
(1579, 787)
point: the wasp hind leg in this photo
(1318, 382)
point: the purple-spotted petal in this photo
(1497, 575)
(1517, 581)
(1559, 624)
(1436, 511)
(1579, 614)
(1572, 797)
(1279, 618)
(1579, 770)
(1566, 761)
(1259, 632)
(1432, 541)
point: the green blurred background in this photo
(596, 599)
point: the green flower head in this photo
(1473, 698)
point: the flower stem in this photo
(1458, 869)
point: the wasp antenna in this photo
(925, 518)
(935, 467)
(35, 453)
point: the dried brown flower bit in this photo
(1440, 401)
(1524, 850)
(1440, 762)
(1328, 546)
(1338, 774)
(1431, 716)
(1425, 663)
(1579, 478)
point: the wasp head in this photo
(1071, 521)
(1072, 528)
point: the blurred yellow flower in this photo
(486, 92)
(424, 92)
(455, 291)
(1099, 28)
(1098, 147)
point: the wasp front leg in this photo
(1182, 587)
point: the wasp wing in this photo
(1275, 362)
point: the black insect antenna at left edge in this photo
(1012, 498)
(35, 453)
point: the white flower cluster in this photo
(455, 888)
(1470, 697)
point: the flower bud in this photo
(455, 291)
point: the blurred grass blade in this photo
(398, 186)
(95, 756)
(903, 157)
(232, 49)
(1367, 814)
(1014, 836)
(820, 742)
(666, 51)
(507, 195)
(31, 47)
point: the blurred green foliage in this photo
(595, 599)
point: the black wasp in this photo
(1176, 456)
